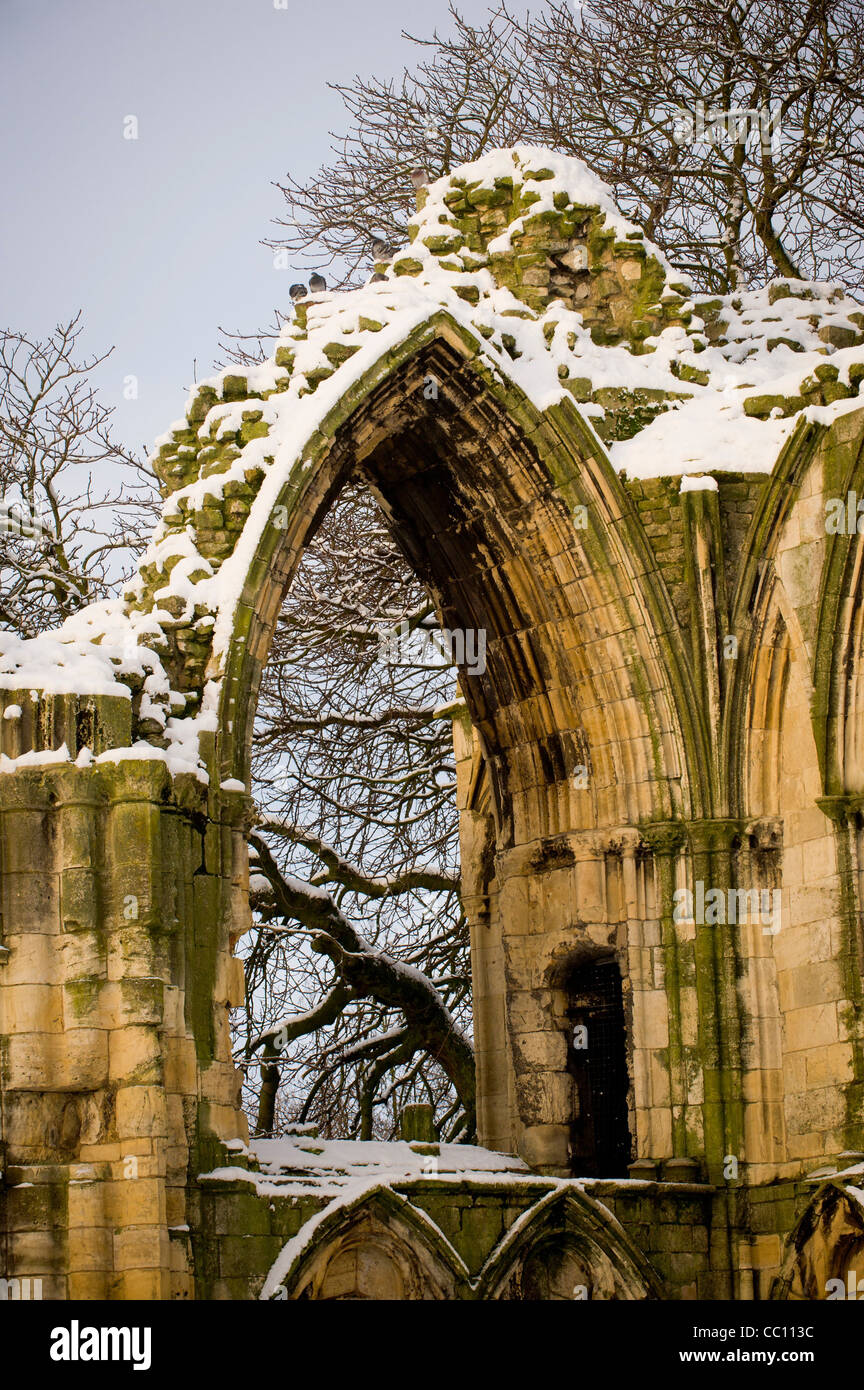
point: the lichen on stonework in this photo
(548, 231)
(526, 251)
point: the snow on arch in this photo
(727, 376)
(359, 1200)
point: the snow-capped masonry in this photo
(432, 1221)
(558, 298)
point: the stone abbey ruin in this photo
(647, 501)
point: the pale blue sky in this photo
(157, 239)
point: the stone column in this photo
(117, 900)
(716, 952)
(658, 1027)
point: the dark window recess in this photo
(600, 1135)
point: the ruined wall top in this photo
(548, 230)
(554, 298)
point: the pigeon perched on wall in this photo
(317, 283)
(419, 177)
(376, 278)
(297, 292)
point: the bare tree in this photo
(357, 970)
(74, 503)
(472, 93)
(731, 131)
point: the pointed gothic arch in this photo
(519, 526)
(567, 1235)
(376, 1245)
(480, 489)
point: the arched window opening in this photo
(357, 965)
(597, 1060)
